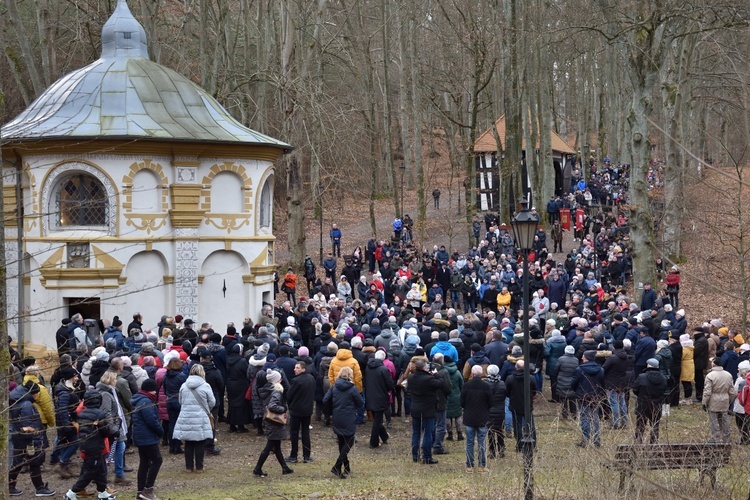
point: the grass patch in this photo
(562, 470)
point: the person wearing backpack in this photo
(93, 429)
(26, 439)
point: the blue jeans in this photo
(480, 433)
(64, 449)
(361, 410)
(470, 304)
(120, 457)
(508, 416)
(619, 408)
(589, 418)
(422, 427)
(455, 299)
(439, 430)
(539, 379)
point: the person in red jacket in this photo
(673, 286)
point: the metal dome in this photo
(124, 94)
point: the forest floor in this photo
(562, 470)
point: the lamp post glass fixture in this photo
(524, 228)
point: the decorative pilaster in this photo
(186, 272)
(11, 279)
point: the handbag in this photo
(279, 418)
(203, 404)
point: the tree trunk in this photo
(641, 222)
(675, 71)
(4, 352)
(37, 82)
(417, 130)
(388, 136)
(513, 121)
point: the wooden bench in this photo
(707, 458)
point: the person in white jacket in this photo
(193, 424)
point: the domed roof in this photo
(124, 94)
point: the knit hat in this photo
(303, 352)
(149, 385)
(516, 351)
(412, 340)
(665, 322)
(67, 372)
(745, 347)
(273, 376)
(169, 356)
(716, 323)
(652, 363)
(493, 370)
(380, 355)
(357, 342)
(332, 348)
(149, 361)
(126, 361)
(681, 313)
(569, 349)
(662, 344)
(263, 350)
(590, 355)
(290, 320)
(102, 356)
(271, 357)
(667, 307)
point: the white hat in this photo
(681, 313)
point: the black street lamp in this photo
(524, 228)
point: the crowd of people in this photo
(428, 335)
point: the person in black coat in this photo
(617, 383)
(378, 384)
(676, 370)
(237, 384)
(300, 398)
(216, 381)
(495, 433)
(700, 361)
(515, 395)
(649, 387)
(344, 399)
(476, 401)
(423, 387)
(62, 338)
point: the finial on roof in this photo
(123, 35)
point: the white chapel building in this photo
(139, 192)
